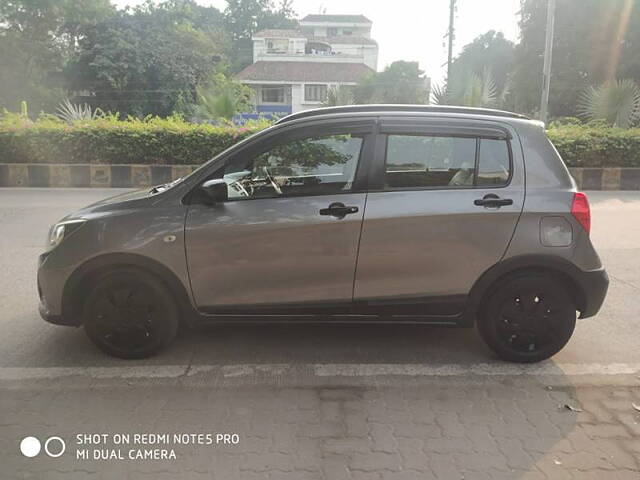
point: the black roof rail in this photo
(400, 108)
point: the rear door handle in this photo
(338, 210)
(492, 200)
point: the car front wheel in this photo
(130, 314)
(527, 318)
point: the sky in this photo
(412, 29)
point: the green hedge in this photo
(174, 141)
(152, 141)
(587, 146)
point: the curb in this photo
(612, 178)
(131, 176)
(89, 175)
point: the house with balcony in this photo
(293, 70)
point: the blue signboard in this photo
(280, 110)
(269, 112)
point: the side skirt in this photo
(447, 311)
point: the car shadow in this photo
(48, 345)
(333, 343)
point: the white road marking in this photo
(37, 373)
(487, 369)
(320, 370)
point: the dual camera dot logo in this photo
(53, 446)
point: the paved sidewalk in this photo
(512, 427)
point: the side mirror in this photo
(215, 190)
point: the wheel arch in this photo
(558, 267)
(80, 280)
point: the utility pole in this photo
(452, 8)
(548, 50)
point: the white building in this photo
(292, 70)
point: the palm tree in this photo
(477, 90)
(222, 98)
(76, 112)
(617, 102)
(440, 95)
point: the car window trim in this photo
(455, 126)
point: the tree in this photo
(146, 61)
(400, 82)
(222, 97)
(488, 51)
(245, 17)
(617, 102)
(36, 39)
(594, 42)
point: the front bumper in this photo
(51, 282)
(594, 285)
(50, 317)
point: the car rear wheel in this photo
(527, 318)
(130, 314)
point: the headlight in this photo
(60, 231)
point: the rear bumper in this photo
(594, 285)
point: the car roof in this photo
(381, 109)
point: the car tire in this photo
(527, 317)
(129, 313)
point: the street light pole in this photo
(452, 8)
(548, 50)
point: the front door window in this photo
(309, 166)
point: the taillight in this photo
(581, 211)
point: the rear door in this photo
(444, 200)
(288, 235)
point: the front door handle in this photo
(492, 200)
(338, 210)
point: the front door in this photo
(447, 202)
(289, 233)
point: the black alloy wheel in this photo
(130, 314)
(527, 318)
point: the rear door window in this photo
(429, 161)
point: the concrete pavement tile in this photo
(346, 445)
(263, 462)
(382, 437)
(516, 457)
(549, 466)
(615, 454)
(336, 467)
(605, 431)
(413, 456)
(444, 466)
(375, 461)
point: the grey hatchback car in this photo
(376, 213)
